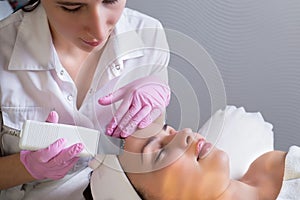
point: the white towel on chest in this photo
(290, 189)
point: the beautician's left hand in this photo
(54, 161)
(144, 100)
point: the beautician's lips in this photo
(92, 43)
(203, 148)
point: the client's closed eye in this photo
(152, 140)
(159, 155)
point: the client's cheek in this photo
(170, 157)
(133, 163)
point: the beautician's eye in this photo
(71, 9)
(110, 1)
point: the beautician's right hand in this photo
(52, 162)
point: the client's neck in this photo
(238, 190)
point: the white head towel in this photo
(108, 180)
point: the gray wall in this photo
(256, 47)
(5, 9)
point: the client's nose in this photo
(183, 138)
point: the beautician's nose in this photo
(96, 24)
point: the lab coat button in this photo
(116, 69)
(70, 97)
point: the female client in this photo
(170, 164)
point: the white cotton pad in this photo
(38, 135)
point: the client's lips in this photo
(203, 148)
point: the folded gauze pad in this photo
(243, 135)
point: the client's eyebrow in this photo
(151, 139)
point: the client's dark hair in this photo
(31, 5)
(144, 195)
(87, 193)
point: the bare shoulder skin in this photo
(266, 174)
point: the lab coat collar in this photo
(124, 42)
(33, 46)
(34, 50)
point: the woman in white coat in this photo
(64, 56)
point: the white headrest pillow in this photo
(108, 180)
(244, 136)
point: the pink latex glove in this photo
(52, 162)
(144, 100)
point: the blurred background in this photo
(255, 46)
(5, 9)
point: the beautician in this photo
(58, 59)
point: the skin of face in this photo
(166, 164)
(85, 24)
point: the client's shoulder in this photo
(270, 162)
(266, 173)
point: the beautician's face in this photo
(86, 24)
(176, 164)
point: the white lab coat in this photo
(33, 81)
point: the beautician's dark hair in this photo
(31, 5)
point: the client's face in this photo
(170, 163)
